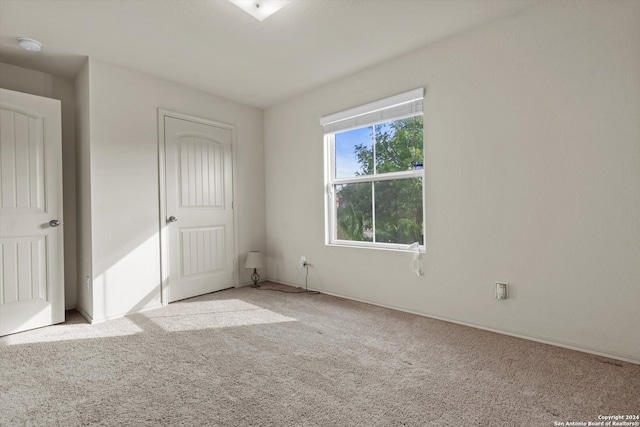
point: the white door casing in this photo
(31, 250)
(198, 243)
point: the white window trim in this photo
(392, 108)
(408, 104)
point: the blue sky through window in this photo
(346, 162)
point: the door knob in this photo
(54, 223)
(172, 218)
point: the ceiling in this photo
(213, 46)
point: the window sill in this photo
(377, 246)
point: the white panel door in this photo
(31, 231)
(199, 189)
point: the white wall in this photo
(124, 181)
(50, 86)
(532, 164)
(83, 187)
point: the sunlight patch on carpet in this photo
(188, 316)
(74, 331)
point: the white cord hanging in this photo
(416, 263)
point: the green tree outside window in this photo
(384, 211)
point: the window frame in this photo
(357, 118)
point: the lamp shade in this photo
(254, 260)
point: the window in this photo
(374, 173)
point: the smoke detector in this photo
(30, 44)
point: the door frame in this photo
(164, 232)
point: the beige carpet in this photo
(247, 357)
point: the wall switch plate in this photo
(501, 290)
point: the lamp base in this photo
(255, 277)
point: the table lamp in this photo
(254, 260)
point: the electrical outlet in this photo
(87, 282)
(303, 262)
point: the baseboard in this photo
(543, 340)
(84, 314)
(120, 315)
(240, 285)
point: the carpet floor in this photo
(248, 357)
